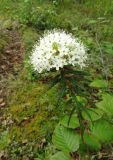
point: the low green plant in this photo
(85, 128)
(30, 74)
(39, 17)
(33, 15)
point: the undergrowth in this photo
(32, 114)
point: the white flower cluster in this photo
(57, 49)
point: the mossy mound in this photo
(32, 112)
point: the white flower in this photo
(57, 49)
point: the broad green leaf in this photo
(73, 123)
(92, 141)
(65, 139)
(106, 104)
(103, 130)
(61, 156)
(99, 83)
(94, 113)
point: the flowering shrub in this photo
(57, 49)
(84, 126)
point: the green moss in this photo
(4, 140)
(22, 111)
(29, 129)
(31, 105)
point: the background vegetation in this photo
(29, 113)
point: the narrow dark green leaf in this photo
(74, 122)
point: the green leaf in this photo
(94, 113)
(92, 141)
(65, 139)
(61, 156)
(98, 83)
(103, 130)
(73, 123)
(106, 104)
(55, 80)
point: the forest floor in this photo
(11, 60)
